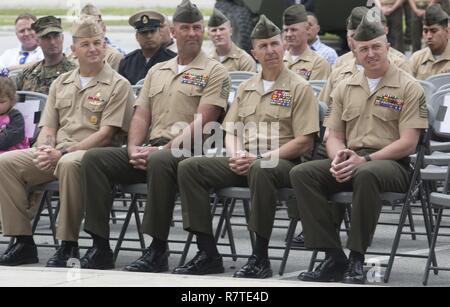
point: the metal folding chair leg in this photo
(132, 210)
(289, 237)
(432, 254)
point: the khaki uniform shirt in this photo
(338, 75)
(375, 120)
(424, 64)
(39, 77)
(290, 102)
(174, 97)
(112, 57)
(309, 65)
(394, 56)
(422, 3)
(236, 60)
(77, 113)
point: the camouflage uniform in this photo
(38, 77)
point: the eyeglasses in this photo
(23, 57)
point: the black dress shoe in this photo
(20, 253)
(97, 258)
(299, 240)
(152, 261)
(201, 264)
(330, 270)
(64, 253)
(355, 273)
(255, 268)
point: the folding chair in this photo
(137, 89)
(403, 199)
(229, 196)
(237, 77)
(140, 82)
(319, 83)
(440, 202)
(428, 88)
(439, 80)
(31, 113)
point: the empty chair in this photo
(439, 80)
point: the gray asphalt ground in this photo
(406, 272)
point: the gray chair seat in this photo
(347, 197)
(284, 194)
(439, 146)
(441, 200)
(434, 173)
(140, 188)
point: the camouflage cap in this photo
(265, 29)
(217, 19)
(356, 16)
(86, 26)
(434, 15)
(368, 29)
(46, 25)
(295, 14)
(187, 12)
(146, 21)
(91, 10)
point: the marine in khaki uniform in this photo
(418, 8)
(374, 124)
(88, 107)
(173, 93)
(226, 52)
(435, 58)
(276, 96)
(299, 57)
(395, 56)
(393, 10)
(40, 76)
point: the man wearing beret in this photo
(275, 99)
(226, 52)
(88, 107)
(173, 93)
(136, 64)
(299, 57)
(374, 122)
(40, 76)
(435, 58)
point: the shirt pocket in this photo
(351, 114)
(247, 113)
(189, 98)
(385, 122)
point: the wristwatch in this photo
(63, 151)
(367, 158)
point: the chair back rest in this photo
(439, 80)
(31, 105)
(439, 105)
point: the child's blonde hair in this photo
(8, 90)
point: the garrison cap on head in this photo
(46, 25)
(146, 21)
(91, 10)
(187, 12)
(295, 14)
(434, 15)
(217, 19)
(265, 29)
(368, 29)
(86, 26)
(356, 16)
